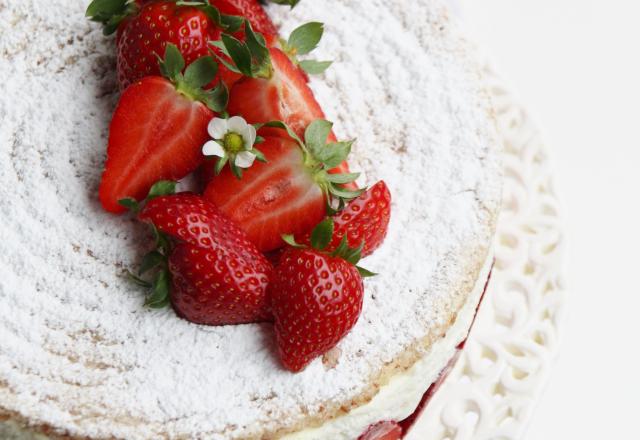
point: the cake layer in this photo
(81, 357)
(399, 398)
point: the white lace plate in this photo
(492, 391)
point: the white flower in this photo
(233, 138)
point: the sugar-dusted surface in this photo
(78, 351)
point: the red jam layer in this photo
(395, 430)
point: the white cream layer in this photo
(400, 397)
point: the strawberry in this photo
(145, 28)
(218, 276)
(316, 298)
(364, 220)
(288, 194)
(284, 96)
(158, 129)
(383, 431)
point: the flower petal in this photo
(249, 137)
(217, 128)
(237, 124)
(212, 148)
(245, 159)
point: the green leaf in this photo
(342, 248)
(201, 72)
(220, 163)
(231, 23)
(316, 136)
(344, 193)
(162, 188)
(334, 154)
(256, 44)
(353, 255)
(322, 234)
(259, 155)
(160, 291)
(161, 240)
(150, 261)
(136, 280)
(283, 126)
(291, 3)
(364, 273)
(239, 53)
(172, 64)
(306, 38)
(291, 241)
(342, 178)
(110, 13)
(313, 67)
(131, 204)
(217, 98)
(236, 170)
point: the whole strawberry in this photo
(144, 28)
(364, 220)
(217, 276)
(316, 298)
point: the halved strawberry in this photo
(285, 96)
(272, 198)
(158, 129)
(218, 277)
(289, 193)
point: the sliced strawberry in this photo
(273, 198)
(218, 276)
(364, 220)
(383, 431)
(157, 132)
(285, 96)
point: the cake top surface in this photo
(79, 352)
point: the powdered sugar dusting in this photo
(77, 349)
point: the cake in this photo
(79, 355)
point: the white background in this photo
(576, 65)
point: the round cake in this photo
(80, 357)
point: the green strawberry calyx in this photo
(249, 58)
(321, 237)
(111, 13)
(196, 76)
(302, 41)
(155, 263)
(320, 157)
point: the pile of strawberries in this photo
(278, 227)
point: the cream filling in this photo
(400, 397)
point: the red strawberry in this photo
(145, 28)
(316, 299)
(157, 132)
(272, 198)
(364, 220)
(285, 96)
(383, 431)
(252, 11)
(218, 276)
(288, 194)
